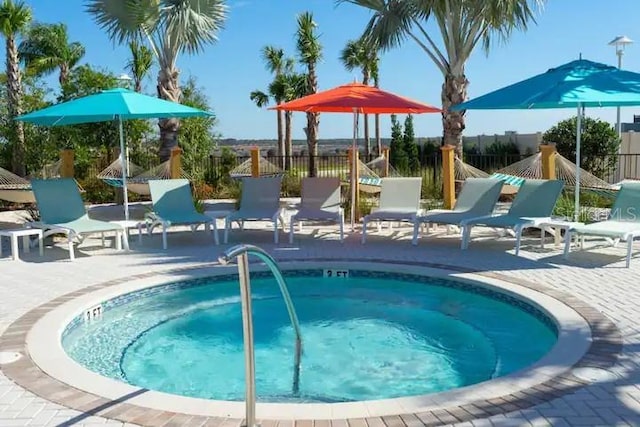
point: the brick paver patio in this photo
(597, 278)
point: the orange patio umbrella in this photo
(356, 98)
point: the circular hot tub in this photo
(389, 336)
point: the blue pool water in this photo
(364, 338)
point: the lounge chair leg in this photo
(164, 236)
(300, 226)
(629, 249)
(102, 237)
(291, 226)
(216, 238)
(14, 247)
(70, 243)
(119, 241)
(466, 236)
(275, 231)
(416, 231)
(227, 225)
(364, 230)
(568, 239)
(518, 231)
(341, 230)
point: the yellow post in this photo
(66, 163)
(448, 175)
(355, 183)
(385, 153)
(255, 162)
(548, 152)
(175, 163)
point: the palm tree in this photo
(289, 86)
(462, 25)
(46, 49)
(140, 63)
(170, 27)
(277, 64)
(309, 52)
(14, 20)
(360, 54)
(285, 87)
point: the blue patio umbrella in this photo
(577, 84)
(112, 104)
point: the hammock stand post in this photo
(385, 153)
(175, 163)
(66, 163)
(548, 152)
(448, 175)
(255, 162)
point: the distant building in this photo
(526, 142)
(635, 126)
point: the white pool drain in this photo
(595, 374)
(7, 357)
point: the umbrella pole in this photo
(125, 169)
(576, 214)
(354, 166)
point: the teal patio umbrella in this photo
(112, 104)
(577, 84)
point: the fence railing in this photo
(214, 168)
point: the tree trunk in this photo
(168, 89)
(138, 85)
(454, 91)
(64, 74)
(313, 119)
(14, 101)
(288, 146)
(280, 139)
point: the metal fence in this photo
(214, 168)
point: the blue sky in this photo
(229, 70)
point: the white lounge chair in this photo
(623, 222)
(62, 211)
(260, 201)
(477, 198)
(533, 205)
(320, 202)
(399, 201)
(173, 205)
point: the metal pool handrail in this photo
(241, 252)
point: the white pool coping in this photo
(45, 348)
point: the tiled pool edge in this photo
(603, 352)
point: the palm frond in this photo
(273, 58)
(124, 20)
(307, 40)
(46, 47)
(192, 24)
(15, 17)
(74, 53)
(141, 60)
(260, 98)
